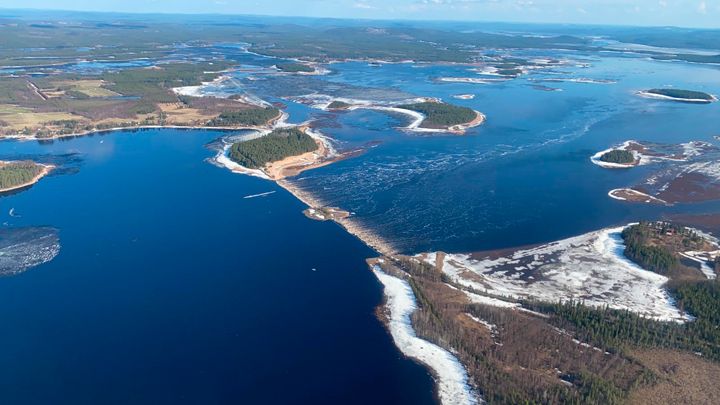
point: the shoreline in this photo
(451, 379)
(46, 169)
(323, 102)
(595, 258)
(419, 118)
(138, 127)
(350, 224)
(634, 196)
(595, 159)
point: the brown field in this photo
(684, 378)
(18, 118)
(89, 87)
(179, 114)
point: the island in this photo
(338, 105)
(326, 213)
(619, 156)
(15, 175)
(685, 96)
(443, 116)
(277, 145)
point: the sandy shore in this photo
(46, 169)
(460, 129)
(294, 165)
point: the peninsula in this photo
(15, 175)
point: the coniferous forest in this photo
(277, 145)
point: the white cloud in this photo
(702, 7)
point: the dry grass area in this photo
(684, 378)
(89, 87)
(17, 118)
(513, 356)
(180, 114)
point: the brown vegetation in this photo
(513, 356)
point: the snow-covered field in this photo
(589, 268)
(452, 380)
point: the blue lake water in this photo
(171, 287)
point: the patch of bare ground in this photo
(691, 187)
(682, 378)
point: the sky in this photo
(685, 13)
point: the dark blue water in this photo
(172, 288)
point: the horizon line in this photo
(400, 20)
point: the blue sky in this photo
(690, 13)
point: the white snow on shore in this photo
(702, 258)
(452, 380)
(222, 159)
(322, 102)
(610, 165)
(472, 80)
(687, 151)
(590, 268)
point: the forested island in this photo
(19, 174)
(620, 156)
(338, 105)
(277, 145)
(441, 115)
(680, 95)
(249, 116)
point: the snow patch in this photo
(452, 380)
(590, 268)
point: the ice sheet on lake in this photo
(24, 248)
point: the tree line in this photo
(16, 173)
(277, 145)
(621, 156)
(441, 115)
(247, 116)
